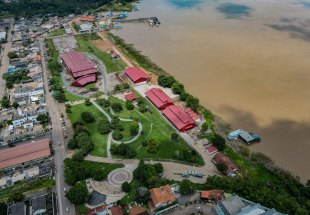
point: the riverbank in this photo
(254, 166)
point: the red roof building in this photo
(192, 114)
(136, 75)
(130, 97)
(87, 19)
(81, 68)
(114, 210)
(211, 150)
(159, 98)
(179, 118)
(219, 158)
(214, 195)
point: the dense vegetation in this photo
(28, 8)
(15, 78)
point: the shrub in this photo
(143, 109)
(88, 117)
(117, 135)
(126, 187)
(129, 105)
(104, 127)
(117, 107)
(134, 129)
(166, 81)
(221, 167)
(87, 102)
(174, 137)
(144, 142)
(123, 150)
(78, 156)
(159, 168)
(104, 103)
(244, 151)
(152, 146)
(218, 141)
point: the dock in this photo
(150, 20)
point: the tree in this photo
(78, 193)
(42, 118)
(60, 97)
(174, 137)
(104, 102)
(166, 81)
(142, 195)
(78, 156)
(87, 102)
(152, 146)
(16, 197)
(117, 107)
(5, 102)
(177, 88)
(192, 102)
(15, 105)
(222, 168)
(72, 144)
(218, 141)
(159, 168)
(123, 150)
(204, 127)
(144, 142)
(183, 96)
(98, 174)
(3, 208)
(129, 105)
(88, 117)
(126, 187)
(134, 129)
(12, 55)
(104, 127)
(186, 187)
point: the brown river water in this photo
(248, 61)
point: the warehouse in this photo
(136, 75)
(159, 98)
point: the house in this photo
(103, 210)
(38, 205)
(211, 150)
(212, 195)
(87, 18)
(231, 168)
(130, 97)
(85, 27)
(162, 196)
(136, 75)
(158, 98)
(179, 118)
(22, 91)
(138, 210)
(116, 210)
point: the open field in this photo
(99, 140)
(70, 97)
(102, 45)
(85, 45)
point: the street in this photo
(5, 61)
(58, 143)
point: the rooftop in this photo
(159, 98)
(136, 74)
(161, 195)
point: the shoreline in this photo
(217, 124)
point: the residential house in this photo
(162, 196)
(231, 168)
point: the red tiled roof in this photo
(87, 79)
(194, 115)
(212, 194)
(136, 74)
(159, 98)
(162, 195)
(179, 118)
(211, 149)
(78, 64)
(88, 18)
(137, 210)
(116, 210)
(95, 210)
(220, 158)
(130, 97)
(24, 153)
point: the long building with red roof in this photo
(159, 98)
(25, 153)
(179, 118)
(83, 70)
(231, 169)
(136, 75)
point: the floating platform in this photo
(247, 137)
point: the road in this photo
(58, 142)
(5, 61)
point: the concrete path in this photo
(101, 110)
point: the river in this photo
(248, 61)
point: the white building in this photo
(2, 35)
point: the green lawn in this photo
(70, 97)
(27, 186)
(126, 133)
(99, 140)
(56, 32)
(90, 86)
(85, 45)
(154, 127)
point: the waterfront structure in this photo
(231, 168)
(179, 118)
(136, 75)
(24, 154)
(83, 70)
(158, 98)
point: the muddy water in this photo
(247, 60)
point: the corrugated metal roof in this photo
(136, 74)
(85, 80)
(159, 98)
(79, 64)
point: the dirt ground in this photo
(102, 45)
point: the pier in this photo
(150, 20)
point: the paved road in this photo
(58, 143)
(5, 62)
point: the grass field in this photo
(85, 45)
(56, 32)
(99, 140)
(70, 97)
(157, 128)
(90, 86)
(27, 186)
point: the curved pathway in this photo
(133, 139)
